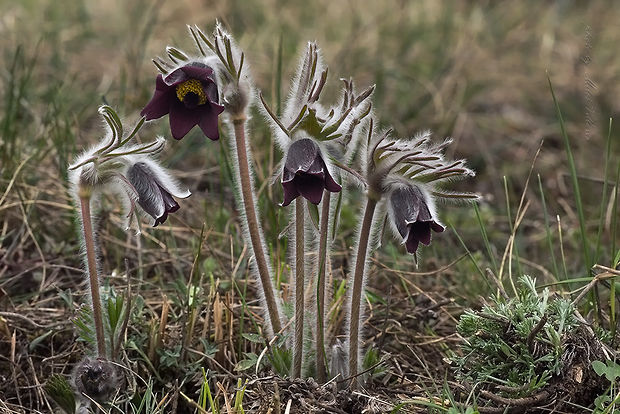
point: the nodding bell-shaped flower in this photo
(305, 173)
(411, 213)
(155, 189)
(190, 95)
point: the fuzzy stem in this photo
(250, 214)
(299, 287)
(321, 375)
(89, 241)
(356, 292)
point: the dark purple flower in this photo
(305, 173)
(155, 190)
(189, 94)
(412, 217)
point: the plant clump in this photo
(524, 350)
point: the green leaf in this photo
(36, 341)
(59, 389)
(310, 124)
(374, 298)
(610, 370)
(255, 338)
(601, 400)
(337, 216)
(249, 362)
(313, 209)
(176, 54)
(245, 364)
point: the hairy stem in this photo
(321, 375)
(356, 292)
(253, 228)
(91, 261)
(299, 287)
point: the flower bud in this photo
(155, 190)
(410, 211)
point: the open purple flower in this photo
(305, 173)
(411, 216)
(155, 190)
(189, 94)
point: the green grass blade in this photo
(471, 257)
(601, 219)
(614, 215)
(485, 238)
(575, 182)
(556, 270)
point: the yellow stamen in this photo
(194, 86)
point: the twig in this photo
(507, 403)
(593, 282)
(497, 283)
(532, 335)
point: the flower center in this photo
(191, 92)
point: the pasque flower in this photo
(189, 94)
(305, 173)
(410, 211)
(155, 190)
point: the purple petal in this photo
(182, 119)
(202, 72)
(310, 187)
(437, 228)
(331, 184)
(210, 89)
(405, 205)
(150, 197)
(191, 71)
(290, 192)
(421, 231)
(412, 245)
(208, 122)
(175, 77)
(161, 219)
(170, 203)
(159, 104)
(301, 156)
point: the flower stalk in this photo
(252, 220)
(89, 242)
(299, 286)
(321, 373)
(356, 290)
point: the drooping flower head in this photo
(411, 213)
(130, 171)
(305, 173)
(408, 174)
(189, 94)
(155, 190)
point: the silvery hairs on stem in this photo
(130, 171)
(235, 89)
(315, 138)
(407, 173)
